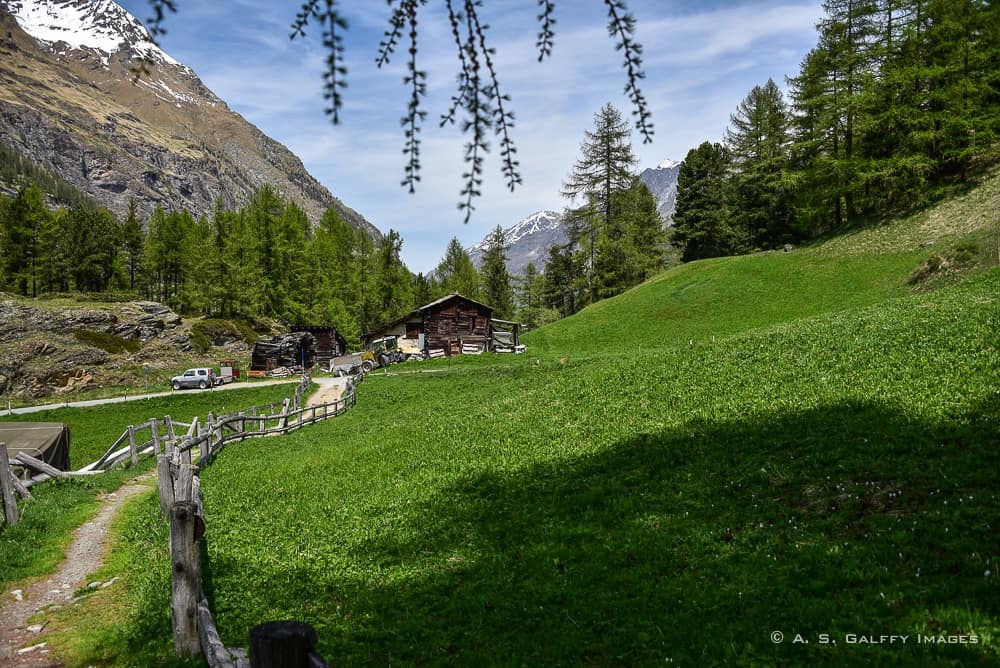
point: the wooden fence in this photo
(179, 487)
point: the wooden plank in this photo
(165, 484)
(281, 644)
(117, 444)
(198, 499)
(39, 465)
(183, 484)
(10, 511)
(21, 488)
(216, 654)
(154, 430)
(185, 590)
(131, 446)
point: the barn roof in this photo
(417, 312)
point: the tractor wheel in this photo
(367, 366)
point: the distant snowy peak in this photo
(101, 25)
(536, 223)
(668, 164)
(528, 241)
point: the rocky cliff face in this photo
(69, 102)
(662, 183)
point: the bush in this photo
(218, 332)
(109, 343)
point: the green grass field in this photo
(801, 442)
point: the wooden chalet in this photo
(451, 325)
(328, 342)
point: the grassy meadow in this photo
(800, 443)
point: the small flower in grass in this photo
(988, 573)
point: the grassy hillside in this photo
(807, 457)
(724, 296)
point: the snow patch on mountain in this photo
(101, 25)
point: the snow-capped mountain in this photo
(69, 102)
(100, 25)
(529, 241)
(662, 183)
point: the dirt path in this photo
(23, 645)
(330, 389)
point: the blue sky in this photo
(700, 58)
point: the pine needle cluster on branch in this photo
(479, 105)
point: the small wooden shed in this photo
(328, 342)
(451, 325)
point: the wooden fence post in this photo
(133, 454)
(155, 432)
(186, 580)
(171, 436)
(283, 424)
(164, 483)
(7, 483)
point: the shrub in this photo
(217, 332)
(109, 343)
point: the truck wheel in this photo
(175, 385)
(203, 385)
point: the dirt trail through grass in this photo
(23, 645)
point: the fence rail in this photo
(181, 500)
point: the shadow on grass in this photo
(691, 546)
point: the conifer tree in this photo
(457, 273)
(133, 240)
(497, 288)
(393, 279)
(603, 169)
(757, 140)
(702, 221)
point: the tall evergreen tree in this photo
(757, 140)
(393, 278)
(133, 241)
(20, 234)
(702, 221)
(561, 289)
(498, 290)
(456, 272)
(603, 169)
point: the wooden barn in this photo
(328, 342)
(451, 325)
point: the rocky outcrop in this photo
(42, 355)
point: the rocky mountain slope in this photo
(529, 240)
(662, 183)
(70, 103)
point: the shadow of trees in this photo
(690, 546)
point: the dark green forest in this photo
(898, 103)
